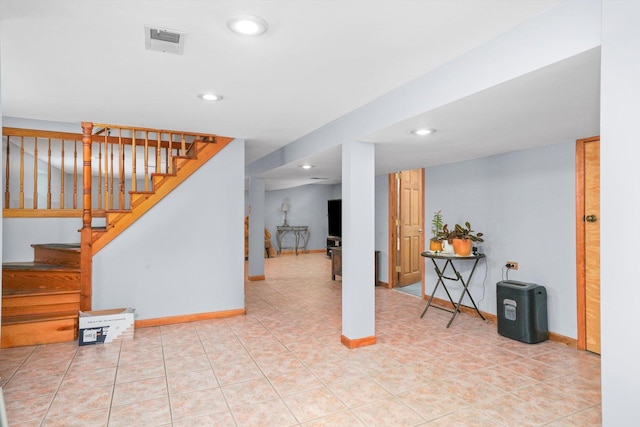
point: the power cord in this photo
(505, 271)
(484, 282)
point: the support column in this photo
(619, 207)
(256, 229)
(358, 244)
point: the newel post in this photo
(86, 254)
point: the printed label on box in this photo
(90, 335)
(105, 326)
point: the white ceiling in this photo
(79, 60)
(550, 105)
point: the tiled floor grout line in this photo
(289, 351)
(291, 335)
(220, 384)
(55, 394)
(166, 380)
(280, 397)
(5, 381)
(115, 383)
(327, 385)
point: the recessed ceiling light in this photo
(306, 166)
(209, 97)
(423, 132)
(247, 25)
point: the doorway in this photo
(406, 225)
(588, 242)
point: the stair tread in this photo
(74, 247)
(31, 318)
(31, 265)
(8, 293)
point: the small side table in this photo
(449, 261)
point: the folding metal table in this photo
(450, 261)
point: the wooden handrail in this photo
(197, 135)
(48, 180)
(44, 134)
(40, 133)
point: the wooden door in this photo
(411, 223)
(588, 248)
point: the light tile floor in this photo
(283, 365)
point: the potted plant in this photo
(435, 243)
(445, 237)
(463, 237)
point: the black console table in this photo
(449, 261)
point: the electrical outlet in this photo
(512, 265)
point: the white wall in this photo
(308, 204)
(336, 191)
(186, 254)
(524, 202)
(308, 207)
(18, 122)
(20, 233)
(620, 210)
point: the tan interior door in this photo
(411, 224)
(592, 244)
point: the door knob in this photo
(591, 218)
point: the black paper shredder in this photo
(522, 311)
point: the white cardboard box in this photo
(105, 326)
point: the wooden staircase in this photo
(162, 183)
(41, 299)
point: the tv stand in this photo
(336, 264)
(333, 242)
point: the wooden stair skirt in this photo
(41, 299)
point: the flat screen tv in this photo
(335, 217)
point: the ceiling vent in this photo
(163, 40)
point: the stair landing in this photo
(41, 298)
